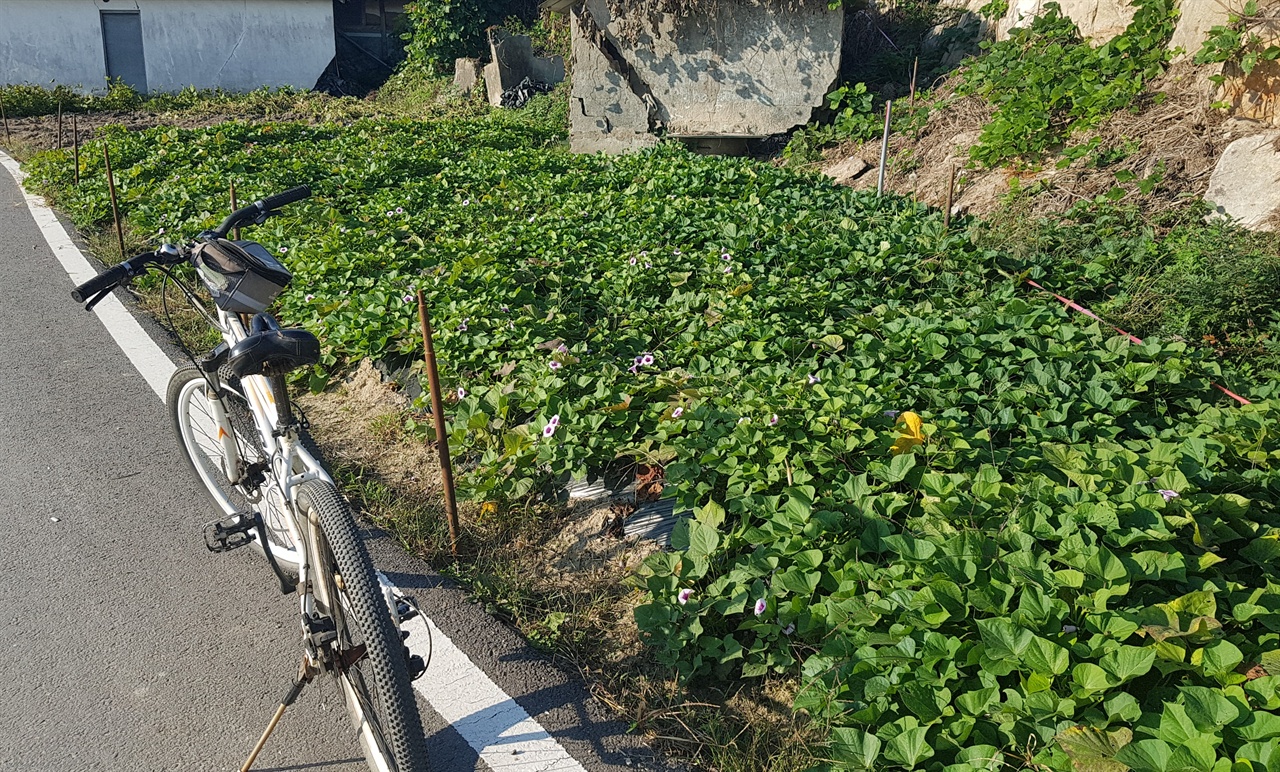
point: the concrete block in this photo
(466, 74)
(511, 60)
(1244, 186)
(846, 170)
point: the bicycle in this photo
(246, 444)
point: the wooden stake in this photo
(915, 68)
(4, 118)
(115, 206)
(951, 192)
(75, 145)
(884, 147)
(59, 125)
(437, 413)
(235, 233)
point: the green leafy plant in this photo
(1047, 83)
(1234, 42)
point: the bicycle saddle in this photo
(281, 350)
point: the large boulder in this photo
(1245, 184)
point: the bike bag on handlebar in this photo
(242, 276)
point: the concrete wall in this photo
(238, 45)
(747, 70)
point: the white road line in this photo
(150, 359)
(493, 724)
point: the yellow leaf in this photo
(909, 433)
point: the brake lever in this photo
(93, 301)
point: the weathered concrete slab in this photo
(1245, 184)
(746, 71)
(846, 170)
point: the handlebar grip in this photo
(108, 279)
(283, 199)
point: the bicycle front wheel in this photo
(191, 410)
(369, 658)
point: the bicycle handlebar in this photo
(259, 208)
(112, 277)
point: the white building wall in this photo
(238, 45)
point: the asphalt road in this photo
(127, 646)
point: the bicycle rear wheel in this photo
(191, 410)
(370, 660)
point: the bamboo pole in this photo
(915, 69)
(884, 147)
(437, 413)
(951, 192)
(115, 205)
(235, 233)
(59, 125)
(75, 145)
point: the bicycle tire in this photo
(191, 414)
(376, 686)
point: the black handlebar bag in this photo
(242, 276)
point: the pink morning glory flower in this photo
(466, 202)
(555, 365)
(675, 252)
(310, 298)
(463, 326)
(727, 269)
(555, 420)
(726, 257)
(1168, 494)
(677, 412)
(761, 605)
(683, 596)
(283, 250)
(813, 379)
(407, 298)
(548, 430)
(399, 210)
(462, 393)
(563, 349)
(646, 360)
(633, 261)
(774, 420)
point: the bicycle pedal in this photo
(417, 667)
(229, 534)
(405, 610)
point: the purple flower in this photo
(466, 202)
(1168, 494)
(309, 298)
(891, 414)
(644, 253)
(505, 309)
(463, 326)
(727, 269)
(633, 261)
(648, 265)
(761, 605)
(634, 369)
(555, 420)
(548, 430)
(675, 252)
(161, 232)
(283, 250)
(726, 257)
(555, 365)
(407, 298)
(389, 213)
(646, 360)
(677, 412)
(462, 393)
(774, 420)
(563, 349)
(399, 210)
(813, 379)
(683, 596)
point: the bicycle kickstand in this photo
(305, 674)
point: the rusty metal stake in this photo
(234, 206)
(75, 145)
(437, 413)
(59, 125)
(115, 206)
(951, 192)
(884, 146)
